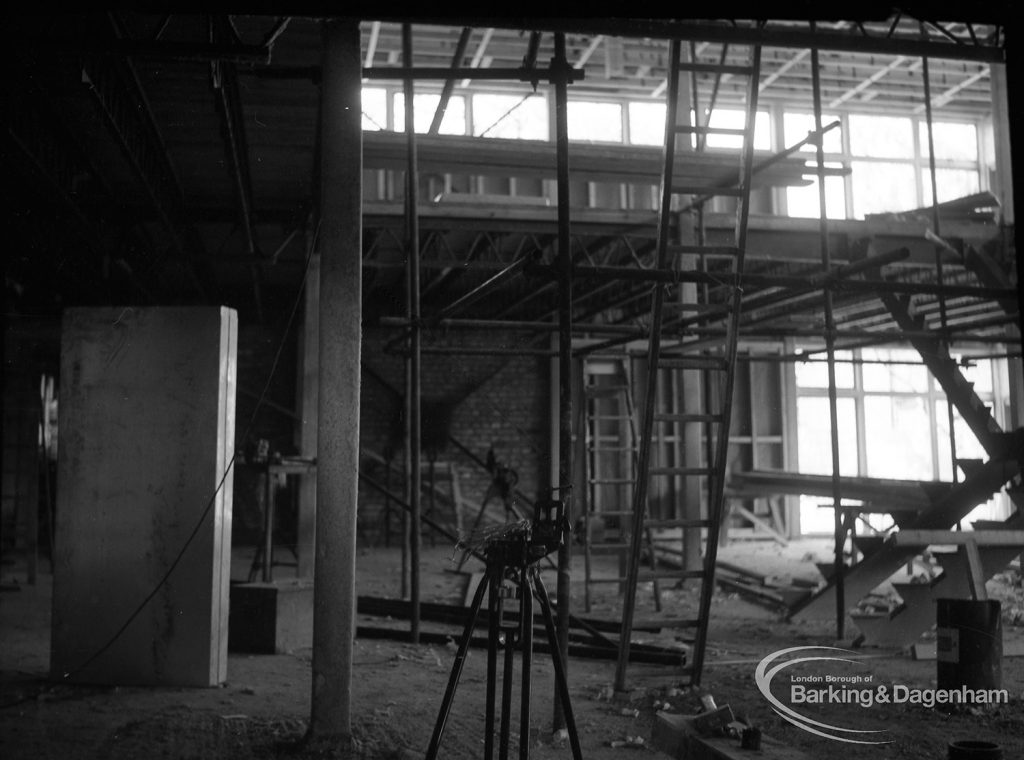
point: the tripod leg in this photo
(460, 660)
(561, 684)
(526, 642)
(506, 698)
(492, 667)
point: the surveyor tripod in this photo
(511, 582)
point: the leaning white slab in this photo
(147, 426)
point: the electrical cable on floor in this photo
(209, 505)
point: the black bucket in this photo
(969, 649)
(971, 749)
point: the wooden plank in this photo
(593, 163)
(925, 650)
(676, 736)
(899, 493)
(975, 574)
(922, 538)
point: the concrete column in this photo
(143, 555)
(309, 377)
(337, 475)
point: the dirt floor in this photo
(263, 709)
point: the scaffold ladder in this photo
(700, 467)
(611, 447)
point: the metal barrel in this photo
(969, 649)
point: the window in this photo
(951, 184)
(953, 141)
(594, 122)
(802, 201)
(646, 123)
(893, 423)
(726, 118)
(880, 187)
(425, 104)
(523, 117)
(888, 164)
(881, 136)
(375, 108)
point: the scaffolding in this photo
(586, 288)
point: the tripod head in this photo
(528, 541)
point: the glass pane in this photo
(881, 136)
(452, 123)
(902, 378)
(646, 123)
(979, 372)
(725, 118)
(512, 116)
(375, 108)
(814, 436)
(967, 446)
(898, 439)
(803, 201)
(951, 184)
(814, 373)
(881, 187)
(595, 122)
(953, 141)
(795, 127)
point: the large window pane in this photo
(882, 187)
(375, 108)
(646, 123)
(967, 447)
(594, 122)
(951, 184)
(881, 136)
(803, 201)
(515, 116)
(452, 123)
(953, 141)
(796, 126)
(725, 118)
(814, 453)
(814, 436)
(977, 371)
(901, 378)
(814, 374)
(897, 435)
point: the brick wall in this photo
(484, 402)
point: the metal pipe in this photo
(449, 84)
(521, 73)
(510, 324)
(668, 29)
(562, 75)
(467, 299)
(839, 528)
(943, 317)
(412, 395)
